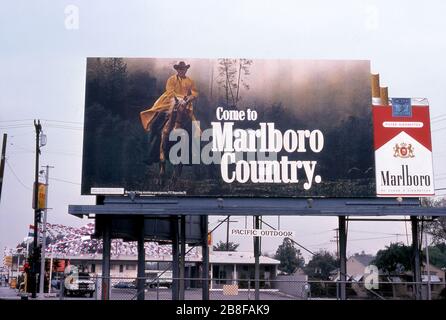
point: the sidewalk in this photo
(6, 293)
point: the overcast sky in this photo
(43, 50)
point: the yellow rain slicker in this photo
(175, 86)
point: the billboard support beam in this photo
(342, 257)
(182, 256)
(416, 258)
(106, 238)
(264, 207)
(257, 259)
(141, 261)
(205, 258)
(175, 258)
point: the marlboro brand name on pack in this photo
(403, 148)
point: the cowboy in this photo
(179, 86)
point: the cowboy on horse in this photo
(179, 86)
(172, 110)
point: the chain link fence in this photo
(126, 288)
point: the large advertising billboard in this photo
(228, 127)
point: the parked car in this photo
(124, 285)
(160, 278)
(79, 286)
(55, 283)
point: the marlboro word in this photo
(403, 148)
(263, 233)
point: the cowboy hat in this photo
(181, 65)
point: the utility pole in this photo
(45, 212)
(33, 278)
(2, 163)
(336, 239)
(228, 221)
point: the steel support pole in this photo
(205, 258)
(182, 257)
(342, 257)
(416, 257)
(51, 273)
(428, 269)
(257, 259)
(227, 234)
(141, 261)
(106, 239)
(175, 257)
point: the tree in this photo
(289, 257)
(321, 264)
(395, 258)
(437, 255)
(231, 73)
(221, 246)
(436, 228)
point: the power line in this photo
(61, 121)
(439, 116)
(50, 152)
(64, 153)
(16, 126)
(66, 181)
(49, 120)
(314, 233)
(440, 174)
(374, 232)
(438, 120)
(15, 175)
(375, 238)
(23, 149)
(64, 127)
(292, 240)
(21, 134)
(359, 239)
(438, 129)
(20, 120)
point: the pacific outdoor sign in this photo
(228, 127)
(403, 148)
(263, 233)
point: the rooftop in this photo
(364, 259)
(64, 242)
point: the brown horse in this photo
(179, 116)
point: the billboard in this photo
(403, 148)
(228, 127)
